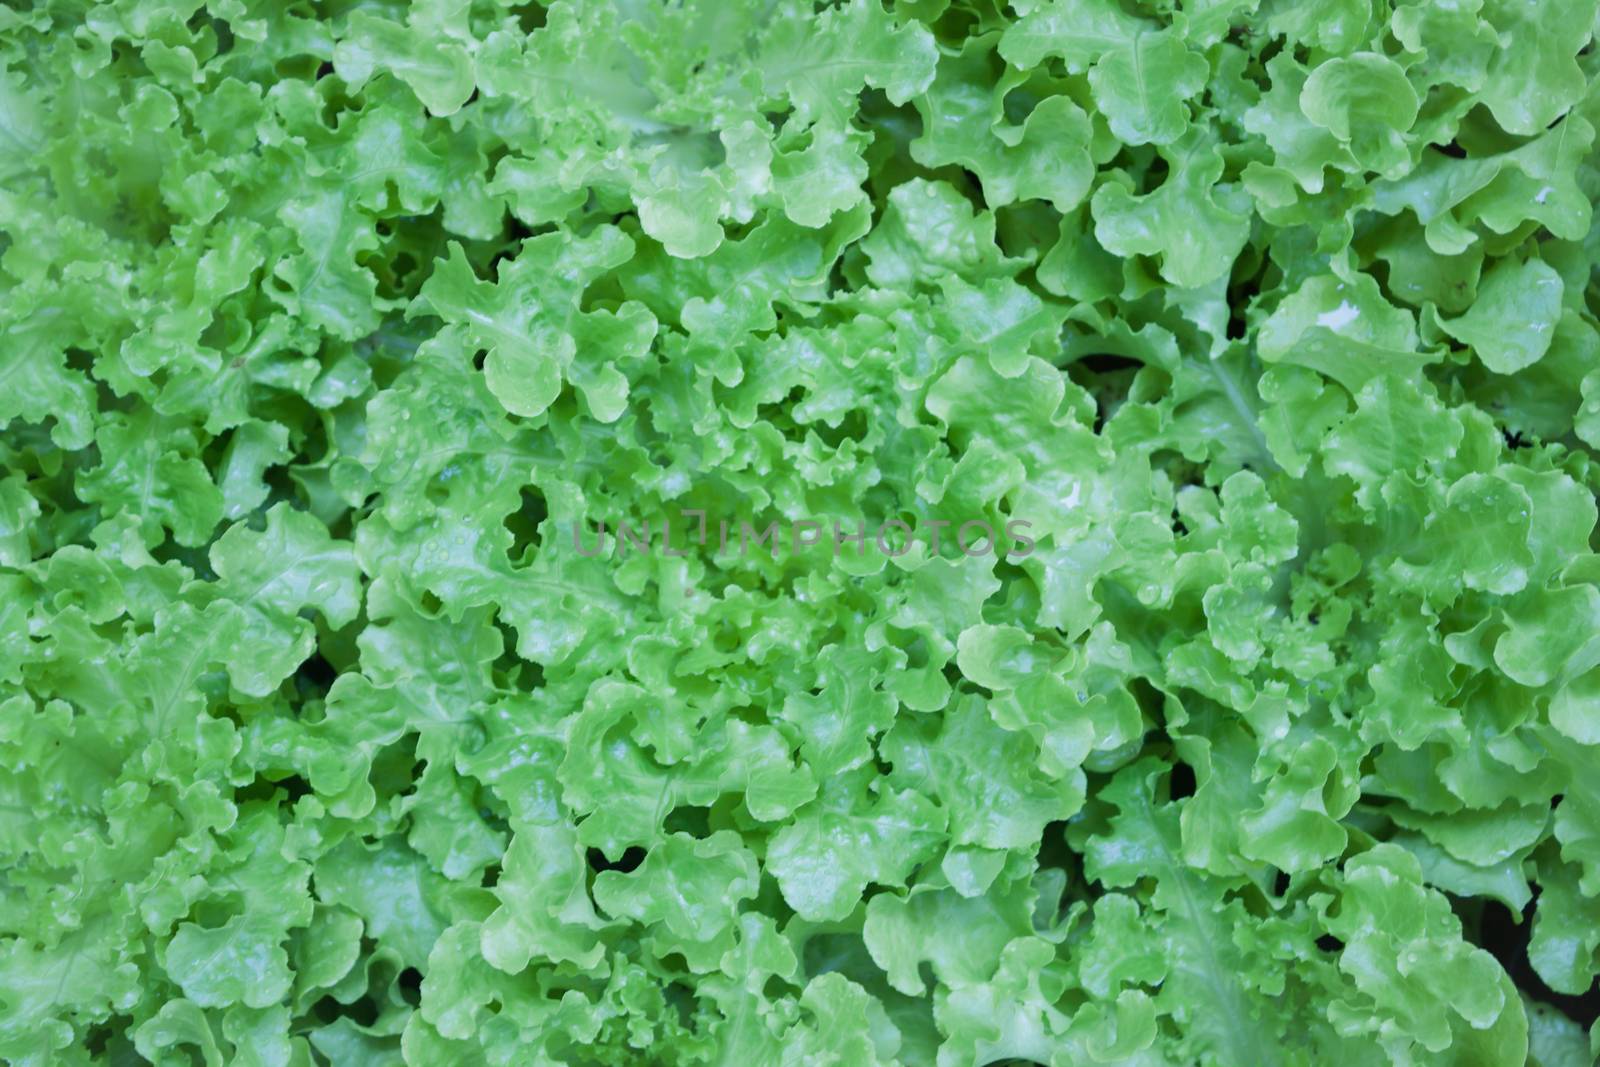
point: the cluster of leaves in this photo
(321, 322)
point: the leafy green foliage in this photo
(322, 325)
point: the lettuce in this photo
(335, 338)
